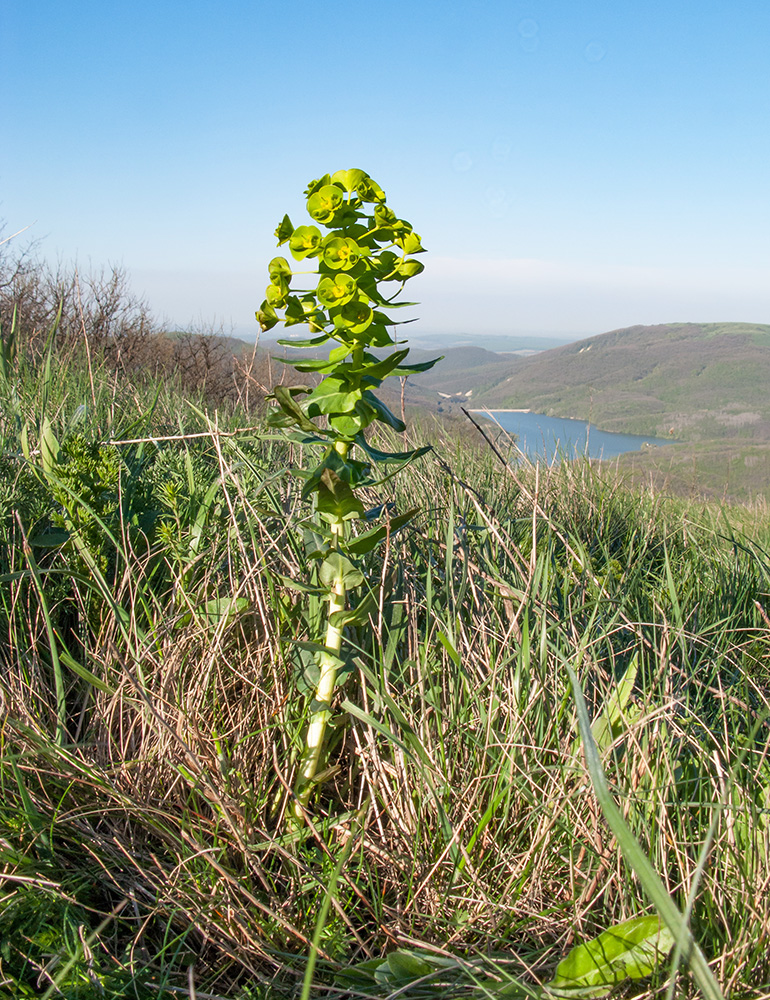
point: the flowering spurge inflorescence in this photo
(363, 262)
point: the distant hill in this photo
(703, 384)
(692, 381)
(462, 369)
(498, 343)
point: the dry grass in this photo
(456, 767)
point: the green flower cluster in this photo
(366, 245)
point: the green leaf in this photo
(336, 569)
(383, 413)
(361, 975)
(349, 179)
(346, 218)
(631, 950)
(307, 671)
(383, 265)
(349, 470)
(49, 447)
(384, 216)
(323, 203)
(360, 614)
(449, 646)
(410, 243)
(609, 723)
(299, 586)
(266, 317)
(69, 661)
(369, 190)
(392, 456)
(337, 499)
(381, 369)
(315, 647)
(423, 366)
(378, 336)
(295, 311)
(276, 293)
(402, 967)
(290, 390)
(336, 290)
(348, 425)
(341, 253)
(284, 230)
(314, 186)
(305, 241)
(323, 365)
(279, 268)
(219, 608)
(284, 396)
(354, 317)
(275, 417)
(50, 539)
(332, 396)
(308, 342)
(408, 268)
(369, 540)
(338, 354)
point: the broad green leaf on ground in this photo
(631, 950)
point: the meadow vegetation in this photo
(158, 613)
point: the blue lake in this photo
(552, 438)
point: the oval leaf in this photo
(337, 290)
(322, 204)
(304, 240)
(349, 179)
(630, 950)
(337, 568)
(337, 499)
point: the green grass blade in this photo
(637, 859)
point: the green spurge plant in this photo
(367, 248)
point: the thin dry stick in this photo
(213, 433)
(14, 235)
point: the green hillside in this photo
(462, 371)
(692, 381)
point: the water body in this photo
(554, 438)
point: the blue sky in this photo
(573, 166)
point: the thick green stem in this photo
(328, 663)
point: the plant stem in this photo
(328, 664)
